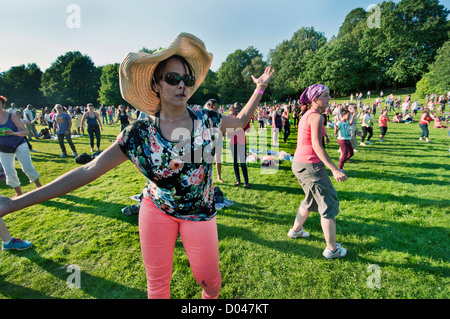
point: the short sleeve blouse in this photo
(179, 181)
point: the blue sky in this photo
(36, 31)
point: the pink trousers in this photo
(158, 233)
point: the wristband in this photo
(18, 133)
(259, 91)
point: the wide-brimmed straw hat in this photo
(136, 70)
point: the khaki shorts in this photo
(320, 194)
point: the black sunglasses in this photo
(173, 78)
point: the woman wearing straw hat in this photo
(174, 149)
(308, 166)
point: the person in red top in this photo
(425, 120)
(308, 166)
(382, 124)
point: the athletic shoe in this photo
(338, 253)
(363, 144)
(369, 142)
(297, 234)
(16, 243)
(63, 155)
(75, 154)
(380, 140)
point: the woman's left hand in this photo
(264, 79)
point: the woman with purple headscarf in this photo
(308, 166)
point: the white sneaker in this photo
(338, 253)
(297, 234)
(355, 150)
(363, 144)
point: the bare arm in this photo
(80, 176)
(97, 117)
(316, 122)
(83, 119)
(22, 130)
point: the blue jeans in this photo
(424, 128)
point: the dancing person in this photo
(276, 124)
(211, 104)
(353, 127)
(261, 112)
(238, 147)
(78, 116)
(94, 125)
(366, 127)
(12, 145)
(104, 113)
(425, 120)
(344, 135)
(296, 115)
(62, 126)
(286, 125)
(308, 166)
(29, 115)
(123, 117)
(382, 124)
(167, 147)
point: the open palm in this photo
(264, 79)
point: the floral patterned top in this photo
(179, 181)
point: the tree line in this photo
(409, 45)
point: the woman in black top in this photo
(123, 117)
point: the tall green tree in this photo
(407, 41)
(109, 92)
(438, 79)
(72, 79)
(21, 85)
(289, 58)
(338, 65)
(233, 74)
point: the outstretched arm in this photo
(80, 176)
(244, 116)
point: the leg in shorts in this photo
(320, 194)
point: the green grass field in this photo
(394, 215)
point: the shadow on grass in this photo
(401, 237)
(93, 206)
(395, 237)
(96, 287)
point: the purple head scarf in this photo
(311, 93)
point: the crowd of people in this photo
(164, 137)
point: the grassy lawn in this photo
(394, 214)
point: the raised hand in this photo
(264, 79)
